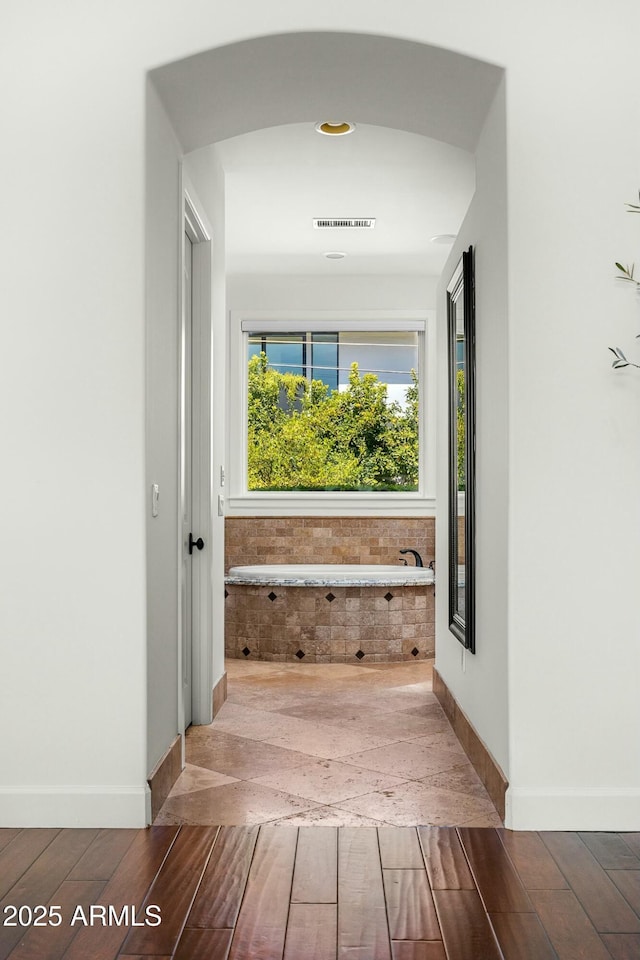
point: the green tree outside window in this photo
(304, 436)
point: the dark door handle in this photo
(199, 543)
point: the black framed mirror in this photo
(461, 330)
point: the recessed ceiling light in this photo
(444, 238)
(335, 255)
(335, 129)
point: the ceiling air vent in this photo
(363, 223)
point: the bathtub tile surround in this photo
(251, 540)
(366, 624)
(359, 624)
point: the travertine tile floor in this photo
(331, 744)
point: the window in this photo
(313, 356)
(330, 409)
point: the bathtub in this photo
(344, 613)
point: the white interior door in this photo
(196, 518)
(187, 497)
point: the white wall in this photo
(74, 496)
(205, 172)
(72, 619)
(348, 292)
(574, 461)
(479, 682)
(164, 228)
(163, 413)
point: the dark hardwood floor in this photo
(313, 893)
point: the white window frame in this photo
(244, 502)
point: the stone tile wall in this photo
(253, 540)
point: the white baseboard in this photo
(587, 809)
(74, 806)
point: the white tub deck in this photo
(330, 575)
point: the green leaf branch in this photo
(626, 272)
(621, 360)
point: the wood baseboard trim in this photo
(219, 694)
(165, 774)
(484, 764)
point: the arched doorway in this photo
(283, 79)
